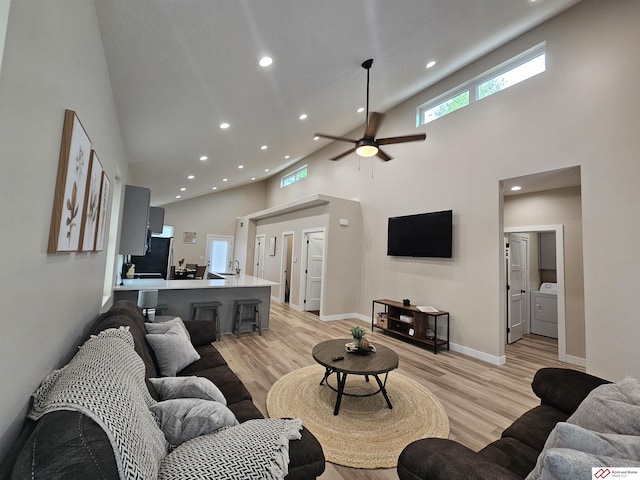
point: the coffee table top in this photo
(383, 360)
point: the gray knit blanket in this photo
(105, 380)
(253, 450)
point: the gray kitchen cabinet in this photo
(135, 220)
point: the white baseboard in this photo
(581, 362)
(485, 357)
(341, 316)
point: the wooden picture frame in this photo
(105, 195)
(71, 184)
(91, 205)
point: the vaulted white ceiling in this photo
(179, 68)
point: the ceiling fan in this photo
(369, 145)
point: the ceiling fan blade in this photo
(383, 155)
(403, 139)
(375, 119)
(344, 154)
(333, 137)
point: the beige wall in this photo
(210, 214)
(53, 60)
(576, 113)
(558, 207)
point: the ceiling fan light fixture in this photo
(366, 148)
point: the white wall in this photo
(579, 112)
(53, 60)
(210, 214)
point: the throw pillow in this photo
(173, 350)
(183, 419)
(163, 327)
(169, 388)
(611, 408)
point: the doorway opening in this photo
(287, 266)
(528, 286)
(313, 274)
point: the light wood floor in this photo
(481, 399)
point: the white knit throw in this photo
(105, 380)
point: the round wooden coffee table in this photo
(383, 360)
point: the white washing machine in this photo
(544, 310)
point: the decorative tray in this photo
(351, 348)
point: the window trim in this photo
(472, 85)
(294, 173)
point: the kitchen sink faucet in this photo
(237, 267)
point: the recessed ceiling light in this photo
(240, 166)
(515, 188)
(287, 157)
(360, 110)
(265, 61)
(316, 138)
(263, 147)
(224, 125)
(225, 179)
(431, 64)
(266, 169)
(183, 189)
(178, 196)
(214, 188)
(304, 116)
(253, 178)
(204, 157)
(191, 177)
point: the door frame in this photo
(303, 265)
(559, 230)
(283, 261)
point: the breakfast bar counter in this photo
(178, 295)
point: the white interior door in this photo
(258, 256)
(313, 270)
(517, 254)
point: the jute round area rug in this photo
(366, 433)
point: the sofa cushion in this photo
(209, 358)
(533, 428)
(228, 383)
(245, 410)
(611, 408)
(173, 350)
(169, 388)
(511, 454)
(186, 418)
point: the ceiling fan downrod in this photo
(367, 66)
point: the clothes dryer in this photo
(544, 310)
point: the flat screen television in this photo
(421, 235)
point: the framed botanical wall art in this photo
(103, 210)
(71, 184)
(91, 204)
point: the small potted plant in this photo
(357, 332)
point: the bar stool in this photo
(148, 300)
(198, 308)
(161, 307)
(252, 319)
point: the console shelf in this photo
(409, 322)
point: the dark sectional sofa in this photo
(514, 455)
(68, 445)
